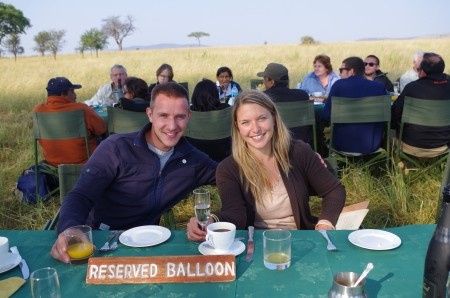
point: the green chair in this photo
(430, 113)
(211, 125)
(299, 114)
(371, 109)
(255, 84)
(57, 126)
(123, 121)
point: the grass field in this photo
(396, 197)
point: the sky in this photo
(238, 22)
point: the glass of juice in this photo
(79, 242)
(277, 249)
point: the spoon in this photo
(364, 274)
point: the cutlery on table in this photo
(111, 243)
(330, 245)
(23, 264)
(250, 244)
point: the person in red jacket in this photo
(62, 98)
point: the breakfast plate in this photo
(8, 261)
(144, 236)
(374, 239)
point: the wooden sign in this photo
(164, 269)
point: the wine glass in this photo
(202, 202)
(45, 283)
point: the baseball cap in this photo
(60, 84)
(275, 71)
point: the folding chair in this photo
(255, 84)
(373, 109)
(299, 114)
(430, 113)
(185, 85)
(57, 126)
(123, 121)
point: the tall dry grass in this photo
(395, 198)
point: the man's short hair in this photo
(355, 63)
(374, 57)
(432, 63)
(118, 66)
(170, 89)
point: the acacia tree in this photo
(198, 35)
(93, 39)
(12, 21)
(41, 39)
(118, 30)
(12, 44)
(307, 40)
(56, 41)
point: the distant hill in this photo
(406, 38)
(162, 46)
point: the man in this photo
(276, 81)
(433, 83)
(133, 178)
(412, 74)
(105, 95)
(362, 138)
(373, 72)
(62, 98)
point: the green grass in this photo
(396, 198)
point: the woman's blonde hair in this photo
(252, 173)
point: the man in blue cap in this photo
(62, 98)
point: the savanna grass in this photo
(395, 198)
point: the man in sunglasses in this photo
(373, 72)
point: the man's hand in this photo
(194, 232)
(59, 249)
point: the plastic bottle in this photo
(118, 92)
(437, 262)
(233, 94)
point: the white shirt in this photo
(407, 78)
(103, 97)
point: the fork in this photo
(111, 244)
(330, 245)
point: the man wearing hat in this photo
(61, 97)
(276, 80)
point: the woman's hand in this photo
(324, 224)
(194, 232)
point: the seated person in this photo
(225, 84)
(135, 95)
(361, 138)
(276, 81)
(105, 95)
(206, 98)
(267, 181)
(133, 178)
(321, 79)
(433, 83)
(412, 74)
(164, 74)
(373, 72)
(62, 98)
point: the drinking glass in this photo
(79, 242)
(202, 202)
(277, 249)
(45, 283)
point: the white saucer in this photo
(374, 239)
(235, 249)
(8, 261)
(144, 236)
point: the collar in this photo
(57, 99)
(438, 77)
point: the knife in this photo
(23, 265)
(250, 244)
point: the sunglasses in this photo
(343, 68)
(371, 64)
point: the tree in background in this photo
(41, 39)
(94, 40)
(56, 41)
(307, 40)
(12, 21)
(118, 30)
(198, 35)
(12, 44)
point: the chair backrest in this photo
(426, 112)
(68, 175)
(255, 83)
(212, 125)
(185, 85)
(297, 114)
(123, 121)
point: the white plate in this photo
(144, 236)
(235, 249)
(8, 261)
(374, 239)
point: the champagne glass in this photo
(202, 202)
(45, 283)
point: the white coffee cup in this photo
(4, 245)
(220, 235)
(317, 94)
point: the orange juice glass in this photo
(79, 242)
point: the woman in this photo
(267, 180)
(225, 85)
(164, 74)
(135, 95)
(206, 97)
(321, 79)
